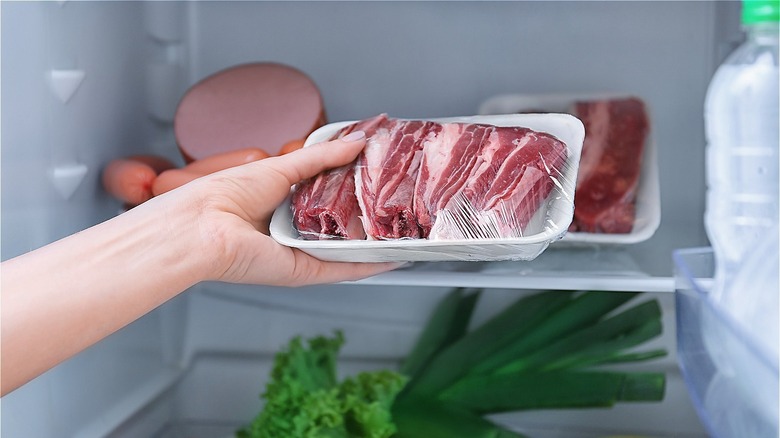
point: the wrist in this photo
(199, 244)
(179, 242)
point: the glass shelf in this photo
(614, 269)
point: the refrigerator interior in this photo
(86, 82)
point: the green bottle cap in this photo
(760, 11)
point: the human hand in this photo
(234, 212)
(104, 277)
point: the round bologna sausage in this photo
(263, 105)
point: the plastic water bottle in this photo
(741, 120)
(741, 219)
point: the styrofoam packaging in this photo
(548, 224)
(648, 196)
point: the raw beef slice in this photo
(447, 162)
(513, 173)
(615, 135)
(325, 207)
(385, 178)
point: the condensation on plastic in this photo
(461, 233)
(647, 200)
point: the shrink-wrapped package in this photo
(465, 188)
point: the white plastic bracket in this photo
(66, 178)
(64, 83)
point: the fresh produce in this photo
(304, 398)
(545, 351)
(447, 324)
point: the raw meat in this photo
(422, 179)
(325, 207)
(605, 197)
(447, 162)
(513, 172)
(385, 178)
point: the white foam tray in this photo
(648, 198)
(547, 225)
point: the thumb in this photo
(310, 161)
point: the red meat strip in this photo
(325, 207)
(385, 178)
(515, 171)
(615, 135)
(521, 167)
(447, 162)
(331, 210)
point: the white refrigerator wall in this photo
(86, 82)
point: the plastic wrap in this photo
(623, 186)
(467, 221)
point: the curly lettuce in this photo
(304, 399)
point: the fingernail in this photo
(353, 136)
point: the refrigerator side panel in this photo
(73, 82)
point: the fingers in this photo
(309, 161)
(322, 272)
(305, 269)
(258, 259)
